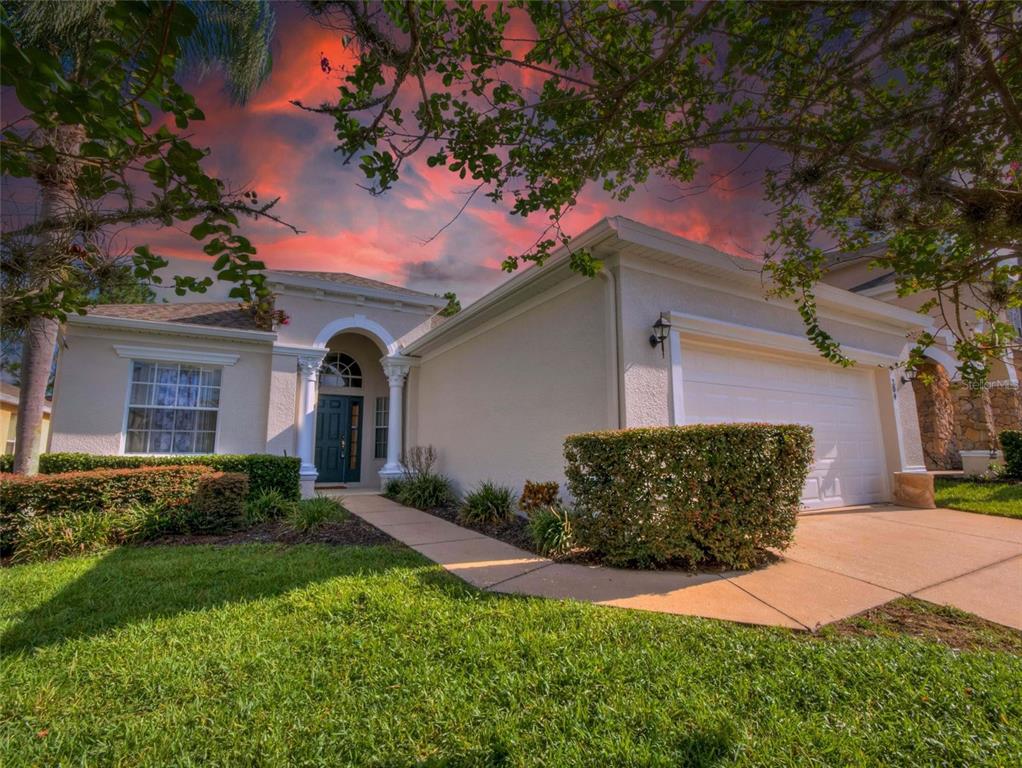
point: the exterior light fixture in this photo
(661, 328)
(909, 375)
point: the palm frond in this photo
(233, 37)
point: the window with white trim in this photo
(172, 408)
(382, 422)
(340, 370)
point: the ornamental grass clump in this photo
(703, 494)
(308, 515)
(488, 504)
(551, 531)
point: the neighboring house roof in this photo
(353, 285)
(12, 394)
(212, 314)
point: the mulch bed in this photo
(351, 532)
(514, 532)
(927, 621)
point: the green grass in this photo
(312, 655)
(986, 498)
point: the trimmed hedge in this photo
(716, 493)
(1011, 444)
(219, 503)
(265, 471)
(95, 491)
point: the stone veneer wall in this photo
(951, 417)
(1007, 406)
(935, 403)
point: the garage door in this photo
(838, 403)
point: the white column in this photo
(308, 368)
(396, 369)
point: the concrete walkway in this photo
(842, 563)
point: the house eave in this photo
(176, 329)
(555, 268)
(329, 288)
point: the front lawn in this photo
(371, 656)
(984, 497)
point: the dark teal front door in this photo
(338, 439)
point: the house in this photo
(951, 416)
(9, 397)
(670, 332)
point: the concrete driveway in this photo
(842, 563)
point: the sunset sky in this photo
(270, 145)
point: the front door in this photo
(338, 439)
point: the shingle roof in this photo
(356, 280)
(215, 314)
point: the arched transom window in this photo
(340, 370)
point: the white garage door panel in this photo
(838, 403)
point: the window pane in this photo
(187, 397)
(184, 420)
(209, 397)
(140, 394)
(183, 442)
(189, 375)
(165, 394)
(135, 442)
(161, 418)
(161, 442)
(166, 374)
(143, 372)
(211, 377)
(138, 418)
(205, 421)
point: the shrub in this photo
(219, 503)
(7, 462)
(393, 488)
(102, 490)
(1011, 444)
(487, 504)
(268, 505)
(419, 460)
(44, 537)
(551, 530)
(143, 522)
(693, 494)
(427, 491)
(537, 496)
(308, 514)
(265, 471)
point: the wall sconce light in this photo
(661, 329)
(909, 375)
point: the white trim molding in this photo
(357, 323)
(736, 333)
(176, 329)
(161, 354)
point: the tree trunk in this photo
(36, 360)
(57, 193)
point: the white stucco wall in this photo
(645, 294)
(498, 405)
(92, 386)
